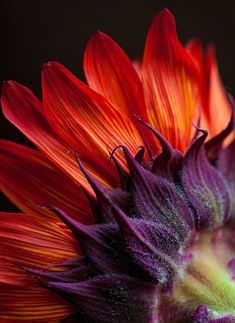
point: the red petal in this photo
(110, 72)
(216, 111)
(24, 110)
(31, 304)
(137, 66)
(30, 241)
(219, 107)
(194, 48)
(84, 119)
(170, 81)
(30, 180)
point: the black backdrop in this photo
(33, 32)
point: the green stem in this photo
(207, 281)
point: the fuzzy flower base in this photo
(128, 205)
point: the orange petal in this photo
(216, 111)
(84, 119)
(29, 179)
(219, 107)
(194, 48)
(26, 240)
(31, 304)
(110, 72)
(29, 240)
(170, 81)
(24, 110)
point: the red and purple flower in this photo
(128, 205)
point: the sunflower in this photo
(128, 203)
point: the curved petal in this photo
(215, 108)
(24, 110)
(170, 82)
(205, 188)
(194, 48)
(28, 240)
(219, 107)
(117, 298)
(84, 119)
(30, 180)
(226, 166)
(109, 71)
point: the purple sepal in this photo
(205, 187)
(140, 155)
(152, 245)
(168, 167)
(158, 200)
(111, 298)
(68, 263)
(168, 162)
(83, 270)
(105, 196)
(203, 315)
(122, 174)
(94, 206)
(102, 246)
(197, 127)
(226, 165)
(95, 241)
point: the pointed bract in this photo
(153, 246)
(156, 199)
(205, 187)
(225, 164)
(118, 298)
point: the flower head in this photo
(128, 204)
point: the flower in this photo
(127, 207)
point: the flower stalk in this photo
(208, 281)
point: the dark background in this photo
(33, 32)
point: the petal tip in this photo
(165, 15)
(97, 39)
(99, 34)
(51, 65)
(9, 83)
(48, 65)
